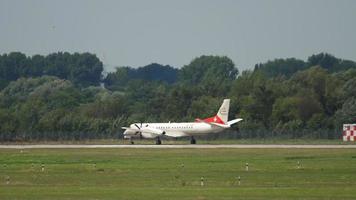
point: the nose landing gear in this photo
(192, 140)
(158, 141)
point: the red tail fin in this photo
(222, 116)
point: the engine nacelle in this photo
(146, 132)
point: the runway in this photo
(199, 146)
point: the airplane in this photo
(214, 124)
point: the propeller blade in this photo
(138, 126)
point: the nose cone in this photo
(127, 132)
(131, 131)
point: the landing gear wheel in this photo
(192, 140)
(131, 141)
(158, 141)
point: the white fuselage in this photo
(173, 129)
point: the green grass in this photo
(176, 173)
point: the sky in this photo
(139, 32)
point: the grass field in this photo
(176, 174)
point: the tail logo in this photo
(223, 111)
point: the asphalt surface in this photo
(196, 146)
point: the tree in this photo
(157, 72)
(324, 60)
(347, 114)
(254, 96)
(285, 110)
(213, 73)
(178, 101)
(281, 67)
(330, 62)
(82, 69)
(286, 96)
(314, 79)
(154, 72)
(86, 70)
(117, 80)
(204, 107)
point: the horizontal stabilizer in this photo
(220, 125)
(233, 121)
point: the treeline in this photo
(123, 76)
(280, 98)
(289, 66)
(81, 69)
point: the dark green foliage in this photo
(57, 96)
(82, 69)
(281, 67)
(157, 72)
(347, 114)
(119, 79)
(288, 67)
(86, 71)
(214, 74)
(330, 62)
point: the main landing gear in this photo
(158, 141)
(192, 140)
(131, 141)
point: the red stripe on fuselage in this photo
(214, 119)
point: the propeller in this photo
(139, 129)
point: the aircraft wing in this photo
(175, 134)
